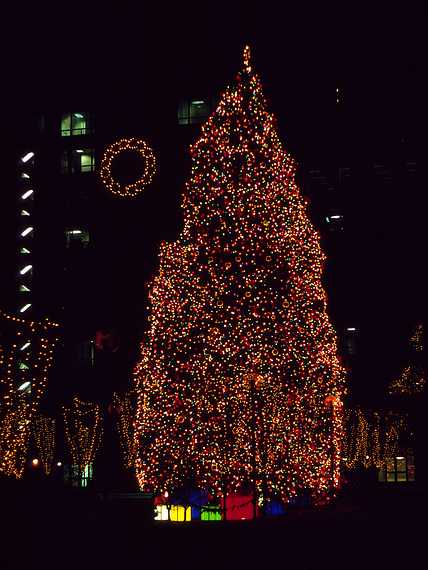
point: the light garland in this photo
(83, 431)
(44, 437)
(412, 379)
(112, 152)
(239, 381)
(17, 407)
(125, 427)
(417, 338)
(372, 437)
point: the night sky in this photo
(302, 52)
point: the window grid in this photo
(75, 124)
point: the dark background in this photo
(130, 57)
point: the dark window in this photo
(84, 354)
(193, 111)
(335, 221)
(77, 237)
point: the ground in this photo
(46, 528)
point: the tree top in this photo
(246, 58)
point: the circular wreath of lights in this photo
(112, 151)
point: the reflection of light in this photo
(25, 269)
(24, 308)
(76, 231)
(351, 329)
(78, 115)
(79, 150)
(24, 386)
(198, 102)
(27, 156)
(35, 462)
(335, 217)
(399, 457)
(27, 194)
(27, 231)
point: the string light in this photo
(44, 437)
(412, 379)
(239, 381)
(416, 340)
(372, 437)
(19, 406)
(83, 431)
(112, 152)
(125, 418)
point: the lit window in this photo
(193, 111)
(77, 236)
(86, 475)
(78, 160)
(400, 469)
(75, 477)
(73, 124)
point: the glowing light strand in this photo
(125, 426)
(44, 437)
(112, 152)
(83, 431)
(17, 408)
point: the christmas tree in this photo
(239, 382)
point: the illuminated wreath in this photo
(112, 151)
